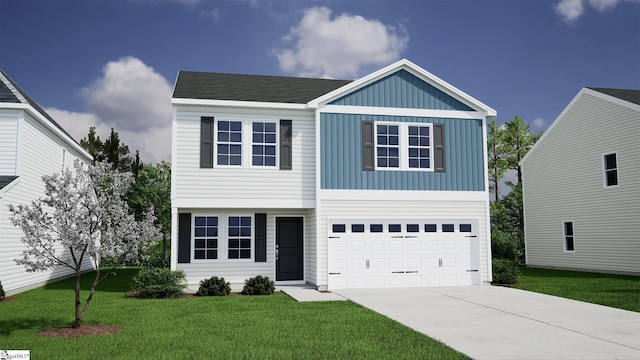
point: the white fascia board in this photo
(414, 69)
(450, 114)
(242, 104)
(47, 124)
(403, 195)
(243, 204)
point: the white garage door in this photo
(393, 253)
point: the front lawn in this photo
(232, 327)
(617, 291)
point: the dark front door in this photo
(289, 252)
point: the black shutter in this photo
(206, 142)
(438, 147)
(368, 146)
(285, 145)
(184, 237)
(261, 238)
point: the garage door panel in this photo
(421, 254)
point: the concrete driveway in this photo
(490, 322)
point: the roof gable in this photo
(258, 88)
(632, 96)
(402, 90)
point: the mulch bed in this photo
(82, 331)
(8, 299)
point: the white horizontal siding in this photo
(563, 181)
(190, 182)
(40, 154)
(9, 140)
(363, 209)
(237, 272)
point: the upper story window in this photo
(610, 170)
(229, 143)
(245, 143)
(264, 144)
(403, 146)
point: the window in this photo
(403, 146)
(388, 146)
(264, 144)
(465, 228)
(221, 237)
(413, 228)
(357, 228)
(448, 228)
(245, 143)
(568, 236)
(239, 237)
(206, 237)
(610, 170)
(430, 228)
(230, 143)
(339, 228)
(419, 156)
(395, 228)
(375, 228)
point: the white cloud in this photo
(339, 47)
(539, 123)
(134, 100)
(570, 10)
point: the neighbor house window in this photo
(229, 143)
(568, 236)
(264, 144)
(610, 170)
(222, 237)
(403, 146)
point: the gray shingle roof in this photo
(6, 180)
(632, 96)
(279, 89)
(4, 89)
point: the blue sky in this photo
(112, 63)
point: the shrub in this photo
(159, 283)
(505, 246)
(258, 285)
(505, 271)
(155, 257)
(214, 286)
(2, 294)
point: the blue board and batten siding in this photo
(341, 156)
(402, 90)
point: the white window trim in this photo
(246, 144)
(403, 145)
(223, 237)
(564, 236)
(604, 170)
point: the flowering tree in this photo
(83, 217)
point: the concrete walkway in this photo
(303, 293)
(489, 322)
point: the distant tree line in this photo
(151, 188)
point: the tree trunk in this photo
(164, 249)
(78, 321)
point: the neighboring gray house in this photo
(582, 186)
(377, 182)
(32, 144)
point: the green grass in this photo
(233, 327)
(617, 291)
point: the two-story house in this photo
(32, 144)
(376, 182)
(581, 186)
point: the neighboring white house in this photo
(582, 186)
(377, 182)
(32, 144)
